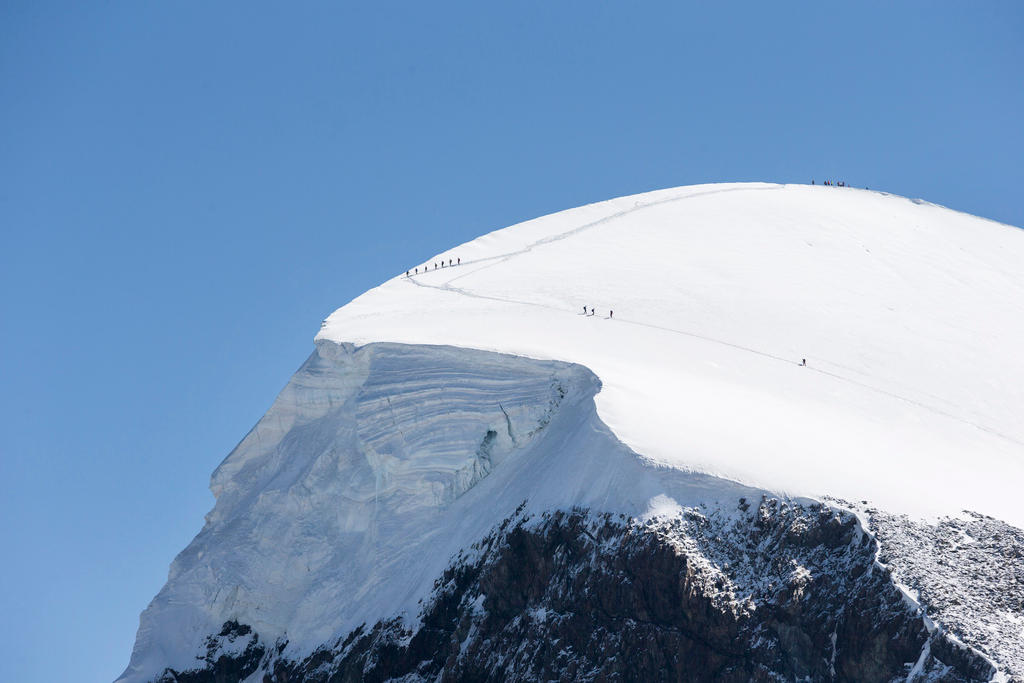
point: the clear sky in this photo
(187, 189)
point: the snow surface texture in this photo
(910, 316)
(391, 450)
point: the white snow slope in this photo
(399, 443)
(910, 316)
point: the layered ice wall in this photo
(372, 469)
(345, 473)
(410, 427)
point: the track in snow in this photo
(491, 261)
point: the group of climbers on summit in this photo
(451, 264)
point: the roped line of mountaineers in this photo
(451, 264)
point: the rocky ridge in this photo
(771, 590)
(968, 571)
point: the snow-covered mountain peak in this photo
(766, 339)
(910, 317)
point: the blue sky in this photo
(187, 189)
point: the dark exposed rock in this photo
(969, 571)
(776, 592)
(232, 655)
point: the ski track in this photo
(501, 258)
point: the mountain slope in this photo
(439, 407)
(910, 316)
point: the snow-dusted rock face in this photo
(471, 478)
(968, 571)
(766, 591)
